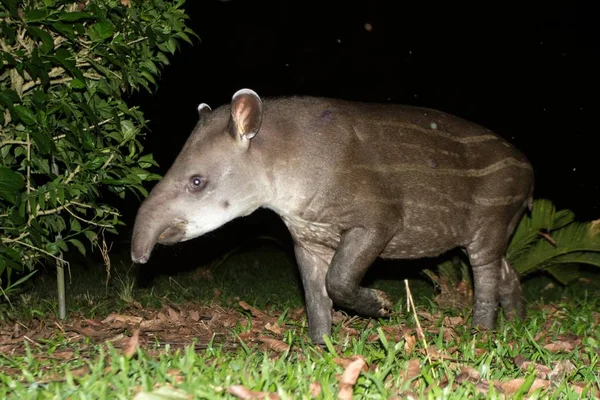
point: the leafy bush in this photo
(66, 132)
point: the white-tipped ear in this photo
(246, 114)
(203, 107)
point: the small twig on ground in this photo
(411, 304)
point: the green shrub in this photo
(66, 132)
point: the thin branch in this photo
(28, 144)
(72, 174)
(6, 142)
(21, 236)
(108, 161)
(137, 40)
(85, 220)
(42, 251)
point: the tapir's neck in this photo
(290, 175)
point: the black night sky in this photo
(530, 71)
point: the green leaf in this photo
(61, 194)
(101, 31)
(11, 183)
(42, 140)
(75, 225)
(77, 84)
(75, 16)
(25, 114)
(62, 245)
(42, 199)
(564, 273)
(35, 15)
(40, 34)
(79, 245)
(13, 8)
(128, 130)
(64, 29)
(92, 236)
(8, 97)
(147, 161)
(52, 248)
(66, 59)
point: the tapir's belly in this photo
(415, 237)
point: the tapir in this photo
(352, 181)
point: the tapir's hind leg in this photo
(495, 280)
(486, 279)
(511, 295)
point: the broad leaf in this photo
(11, 183)
(25, 114)
(101, 31)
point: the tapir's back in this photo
(436, 174)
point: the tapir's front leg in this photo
(313, 269)
(358, 249)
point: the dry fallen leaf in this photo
(541, 371)
(413, 369)
(426, 316)
(128, 319)
(255, 312)
(275, 328)
(560, 345)
(315, 389)
(274, 344)
(176, 375)
(409, 343)
(194, 315)
(345, 362)
(244, 393)
(173, 315)
(349, 378)
(166, 392)
(469, 374)
(561, 369)
(453, 321)
(62, 355)
(514, 384)
(132, 344)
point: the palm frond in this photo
(542, 218)
(576, 237)
(564, 273)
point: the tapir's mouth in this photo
(173, 234)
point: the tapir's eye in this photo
(197, 182)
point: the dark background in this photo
(527, 70)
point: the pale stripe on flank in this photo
(475, 172)
(440, 134)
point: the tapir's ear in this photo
(246, 114)
(203, 111)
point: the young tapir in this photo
(352, 182)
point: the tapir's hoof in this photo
(384, 304)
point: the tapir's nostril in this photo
(172, 234)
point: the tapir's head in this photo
(213, 180)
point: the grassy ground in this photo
(234, 328)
